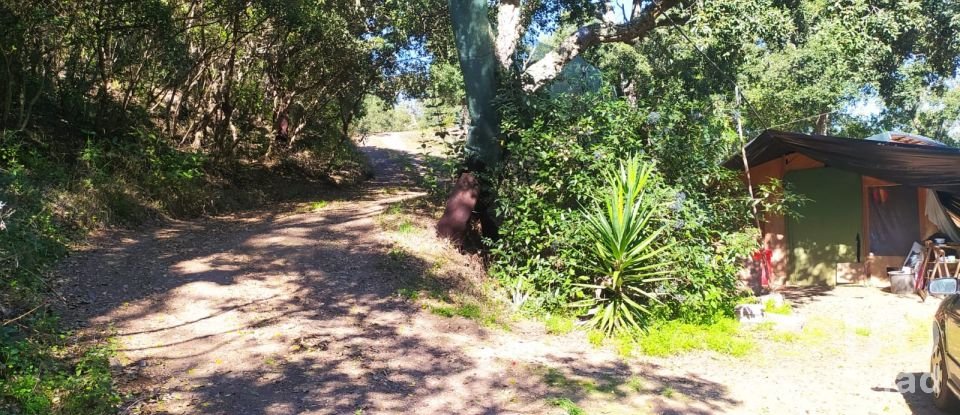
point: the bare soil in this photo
(305, 308)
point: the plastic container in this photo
(901, 282)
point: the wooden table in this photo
(930, 267)
(940, 265)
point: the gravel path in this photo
(295, 311)
(857, 345)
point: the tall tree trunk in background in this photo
(104, 81)
(226, 94)
(476, 53)
(349, 105)
(7, 91)
(823, 124)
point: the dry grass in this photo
(454, 283)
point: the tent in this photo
(868, 200)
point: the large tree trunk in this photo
(476, 52)
(226, 105)
(480, 55)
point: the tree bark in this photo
(460, 204)
(823, 124)
(476, 53)
(479, 56)
(26, 112)
(7, 92)
(102, 77)
(226, 94)
(509, 29)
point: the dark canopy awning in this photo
(936, 168)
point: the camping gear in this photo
(907, 138)
(940, 215)
(901, 282)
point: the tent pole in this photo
(746, 166)
(753, 200)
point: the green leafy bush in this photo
(39, 378)
(379, 116)
(39, 374)
(557, 151)
(559, 324)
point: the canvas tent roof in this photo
(906, 138)
(932, 167)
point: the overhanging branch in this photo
(509, 29)
(547, 68)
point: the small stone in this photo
(749, 313)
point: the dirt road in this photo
(306, 308)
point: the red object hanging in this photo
(765, 256)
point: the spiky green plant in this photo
(626, 261)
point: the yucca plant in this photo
(626, 261)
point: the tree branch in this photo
(508, 31)
(541, 72)
(607, 13)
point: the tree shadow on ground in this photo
(273, 312)
(804, 295)
(915, 389)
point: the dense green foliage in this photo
(802, 65)
(676, 99)
(225, 76)
(380, 117)
(40, 374)
(38, 380)
(556, 167)
(116, 112)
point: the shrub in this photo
(557, 151)
(783, 308)
(625, 255)
(550, 170)
(39, 376)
